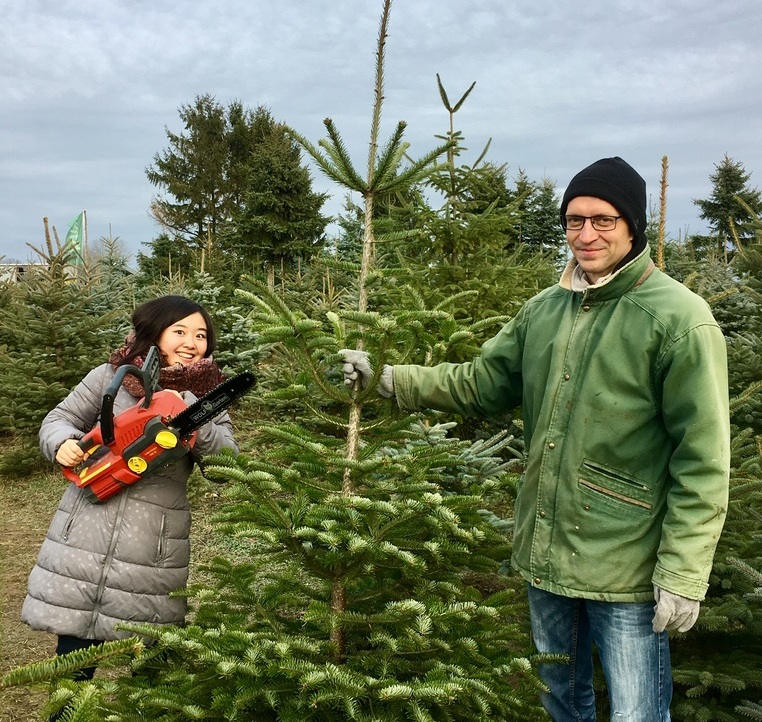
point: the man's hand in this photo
(673, 612)
(357, 368)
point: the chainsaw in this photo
(161, 427)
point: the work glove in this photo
(673, 612)
(357, 368)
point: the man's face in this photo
(597, 252)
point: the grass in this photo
(27, 507)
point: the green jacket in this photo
(624, 395)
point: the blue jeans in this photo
(635, 660)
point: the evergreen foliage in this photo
(730, 210)
(193, 171)
(58, 322)
(341, 604)
(166, 258)
(539, 226)
(278, 219)
(349, 598)
(235, 195)
(717, 667)
(469, 252)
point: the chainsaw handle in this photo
(149, 375)
(94, 451)
(90, 441)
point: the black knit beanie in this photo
(617, 182)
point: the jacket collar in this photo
(617, 284)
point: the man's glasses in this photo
(600, 223)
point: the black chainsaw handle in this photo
(148, 375)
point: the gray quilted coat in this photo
(117, 561)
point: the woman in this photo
(118, 561)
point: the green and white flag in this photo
(74, 243)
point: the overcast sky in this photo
(89, 87)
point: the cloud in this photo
(88, 88)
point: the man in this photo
(621, 374)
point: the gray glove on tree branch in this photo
(357, 368)
(673, 611)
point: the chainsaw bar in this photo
(211, 404)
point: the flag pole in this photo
(85, 249)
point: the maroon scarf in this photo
(199, 377)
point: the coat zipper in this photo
(107, 561)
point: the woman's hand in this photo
(70, 453)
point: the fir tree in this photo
(466, 252)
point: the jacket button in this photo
(542, 515)
(566, 377)
(537, 581)
(551, 445)
(586, 308)
(587, 507)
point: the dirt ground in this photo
(26, 508)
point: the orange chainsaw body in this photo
(142, 441)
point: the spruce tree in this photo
(192, 174)
(167, 257)
(234, 194)
(539, 226)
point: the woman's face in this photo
(184, 342)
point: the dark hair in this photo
(151, 318)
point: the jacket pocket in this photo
(72, 517)
(616, 489)
(161, 544)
